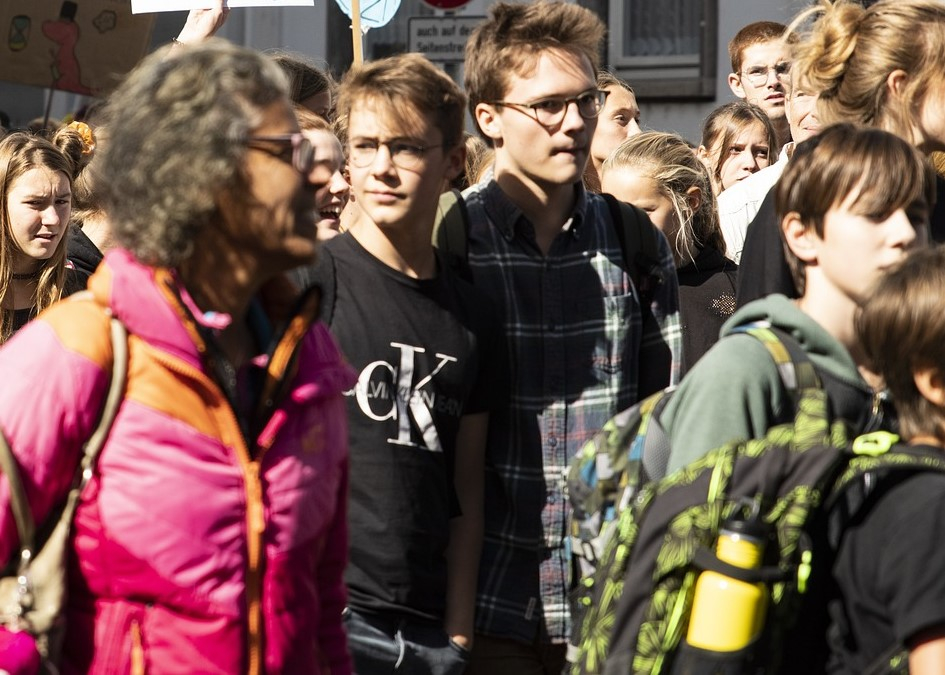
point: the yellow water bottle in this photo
(727, 613)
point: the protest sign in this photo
(141, 6)
(82, 46)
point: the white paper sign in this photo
(144, 6)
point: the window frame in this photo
(667, 77)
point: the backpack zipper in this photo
(875, 421)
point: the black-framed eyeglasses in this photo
(550, 112)
(294, 149)
(758, 75)
(404, 154)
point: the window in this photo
(665, 48)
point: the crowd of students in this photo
(342, 449)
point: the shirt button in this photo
(553, 441)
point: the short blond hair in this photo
(669, 160)
(407, 84)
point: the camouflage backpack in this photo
(630, 450)
(641, 596)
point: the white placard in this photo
(145, 6)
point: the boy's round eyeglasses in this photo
(758, 75)
(550, 112)
(294, 149)
(363, 151)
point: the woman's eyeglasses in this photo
(293, 149)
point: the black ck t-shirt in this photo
(425, 355)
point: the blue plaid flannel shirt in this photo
(575, 342)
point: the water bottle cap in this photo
(751, 528)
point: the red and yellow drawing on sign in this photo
(82, 46)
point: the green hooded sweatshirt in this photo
(734, 392)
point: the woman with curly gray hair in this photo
(212, 537)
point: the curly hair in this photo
(669, 160)
(515, 35)
(850, 51)
(177, 130)
(20, 152)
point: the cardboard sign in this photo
(141, 6)
(82, 46)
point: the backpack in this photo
(631, 449)
(641, 597)
(637, 235)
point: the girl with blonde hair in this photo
(881, 66)
(36, 177)
(659, 173)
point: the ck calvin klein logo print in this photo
(387, 391)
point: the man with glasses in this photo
(549, 255)
(425, 345)
(761, 71)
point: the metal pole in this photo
(48, 107)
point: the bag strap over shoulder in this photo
(794, 365)
(638, 243)
(451, 231)
(116, 392)
(25, 524)
(812, 417)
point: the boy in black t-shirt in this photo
(423, 342)
(889, 564)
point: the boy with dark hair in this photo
(584, 342)
(888, 568)
(761, 69)
(425, 345)
(852, 202)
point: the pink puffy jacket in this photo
(195, 551)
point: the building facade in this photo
(673, 52)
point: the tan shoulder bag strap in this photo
(25, 525)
